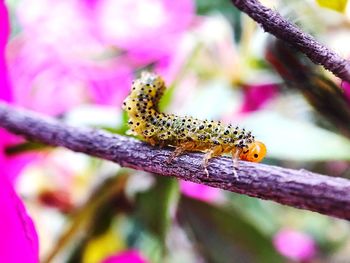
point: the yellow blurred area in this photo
(103, 246)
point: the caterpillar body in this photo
(182, 132)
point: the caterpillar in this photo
(182, 132)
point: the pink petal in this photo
(77, 56)
(295, 245)
(19, 241)
(128, 256)
(346, 87)
(110, 86)
(10, 167)
(72, 66)
(255, 96)
(201, 192)
(147, 29)
(5, 92)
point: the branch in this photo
(297, 188)
(275, 24)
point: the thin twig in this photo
(297, 188)
(275, 24)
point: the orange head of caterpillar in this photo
(255, 152)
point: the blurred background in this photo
(75, 60)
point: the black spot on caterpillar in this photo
(184, 133)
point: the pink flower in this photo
(73, 52)
(58, 62)
(346, 87)
(5, 92)
(201, 192)
(19, 241)
(147, 29)
(255, 96)
(10, 166)
(295, 245)
(129, 256)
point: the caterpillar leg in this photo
(151, 141)
(178, 151)
(235, 156)
(188, 146)
(216, 151)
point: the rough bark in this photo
(297, 188)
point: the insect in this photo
(182, 132)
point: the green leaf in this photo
(25, 147)
(153, 214)
(337, 5)
(259, 213)
(154, 206)
(290, 139)
(167, 97)
(225, 236)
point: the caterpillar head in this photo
(255, 152)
